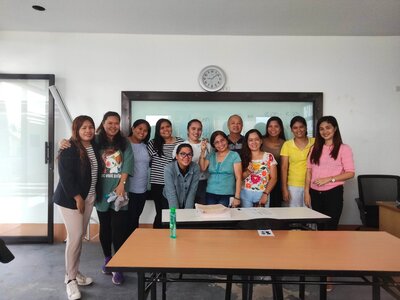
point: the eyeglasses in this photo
(183, 155)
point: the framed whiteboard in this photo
(213, 109)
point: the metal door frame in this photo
(49, 157)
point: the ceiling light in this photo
(38, 7)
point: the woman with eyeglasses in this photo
(259, 171)
(181, 178)
(225, 170)
(194, 132)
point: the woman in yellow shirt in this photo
(294, 154)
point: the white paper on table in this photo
(257, 213)
(215, 211)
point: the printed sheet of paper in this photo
(257, 213)
(265, 232)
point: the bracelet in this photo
(236, 198)
(265, 193)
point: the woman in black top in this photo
(75, 195)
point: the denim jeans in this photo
(249, 198)
(296, 197)
(217, 199)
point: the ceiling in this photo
(206, 17)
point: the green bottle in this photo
(172, 223)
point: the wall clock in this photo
(212, 78)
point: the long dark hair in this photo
(158, 139)
(246, 152)
(136, 124)
(280, 123)
(76, 139)
(118, 142)
(319, 141)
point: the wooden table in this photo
(389, 217)
(191, 218)
(308, 253)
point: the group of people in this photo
(110, 171)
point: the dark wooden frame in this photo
(128, 96)
(49, 157)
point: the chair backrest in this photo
(373, 188)
(264, 223)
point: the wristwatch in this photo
(333, 180)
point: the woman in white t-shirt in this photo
(194, 132)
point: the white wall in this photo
(359, 76)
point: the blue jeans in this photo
(249, 198)
(217, 199)
(296, 197)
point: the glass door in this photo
(26, 157)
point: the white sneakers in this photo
(73, 290)
(80, 279)
(72, 287)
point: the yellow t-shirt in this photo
(297, 161)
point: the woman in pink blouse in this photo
(329, 165)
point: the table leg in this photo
(245, 287)
(228, 289)
(154, 288)
(277, 289)
(322, 288)
(141, 286)
(164, 286)
(376, 288)
(302, 288)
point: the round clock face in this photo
(212, 78)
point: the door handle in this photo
(46, 152)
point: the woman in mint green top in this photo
(117, 165)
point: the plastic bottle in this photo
(172, 223)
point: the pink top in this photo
(328, 167)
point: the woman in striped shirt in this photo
(160, 150)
